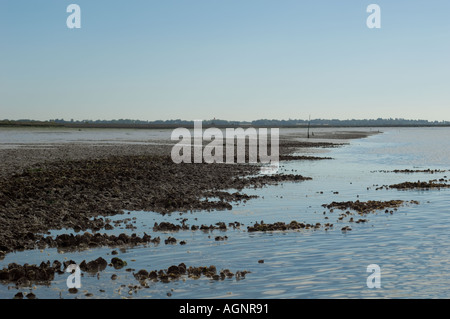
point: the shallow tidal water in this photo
(411, 246)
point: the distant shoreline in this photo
(172, 126)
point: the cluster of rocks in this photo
(218, 226)
(281, 226)
(303, 158)
(88, 240)
(118, 263)
(170, 240)
(434, 184)
(71, 194)
(26, 275)
(220, 238)
(410, 171)
(21, 295)
(260, 181)
(175, 272)
(230, 197)
(366, 207)
(166, 226)
(94, 266)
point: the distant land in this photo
(129, 123)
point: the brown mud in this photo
(77, 184)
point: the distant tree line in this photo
(218, 122)
(352, 122)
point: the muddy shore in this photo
(77, 186)
(69, 186)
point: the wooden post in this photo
(309, 122)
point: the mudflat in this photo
(67, 186)
(75, 186)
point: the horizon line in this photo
(62, 120)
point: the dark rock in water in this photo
(241, 274)
(170, 240)
(220, 238)
(261, 261)
(31, 295)
(215, 277)
(86, 240)
(141, 274)
(182, 268)
(153, 275)
(18, 295)
(73, 290)
(17, 273)
(227, 273)
(118, 263)
(367, 207)
(293, 225)
(56, 265)
(26, 274)
(94, 266)
(166, 226)
(68, 262)
(175, 272)
(22, 282)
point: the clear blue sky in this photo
(229, 59)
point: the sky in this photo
(224, 59)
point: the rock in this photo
(220, 238)
(118, 263)
(94, 266)
(141, 274)
(18, 295)
(170, 240)
(31, 295)
(73, 290)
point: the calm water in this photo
(412, 246)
